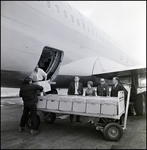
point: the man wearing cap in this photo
(102, 88)
(28, 92)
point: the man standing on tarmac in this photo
(117, 87)
(75, 88)
(28, 92)
(102, 89)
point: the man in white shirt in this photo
(38, 74)
(75, 88)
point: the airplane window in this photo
(48, 4)
(72, 19)
(78, 23)
(83, 26)
(65, 14)
(57, 9)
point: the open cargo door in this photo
(50, 61)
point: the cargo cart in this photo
(110, 112)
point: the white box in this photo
(93, 105)
(53, 101)
(52, 104)
(41, 102)
(79, 104)
(109, 107)
(65, 103)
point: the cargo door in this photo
(50, 61)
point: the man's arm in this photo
(38, 87)
(44, 74)
(123, 88)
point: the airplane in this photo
(63, 42)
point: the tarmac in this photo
(62, 134)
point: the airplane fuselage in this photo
(29, 26)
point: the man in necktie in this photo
(75, 88)
(117, 87)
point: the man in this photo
(28, 92)
(38, 74)
(75, 88)
(117, 87)
(102, 89)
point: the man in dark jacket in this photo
(102, 89)
(75, 88)
(28, 92)
(117, 87)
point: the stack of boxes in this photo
(80, 104)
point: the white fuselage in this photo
(28, 26)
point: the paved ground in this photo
(63, 134)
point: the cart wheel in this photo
(49, 117)
(29, 121)
(113, 131)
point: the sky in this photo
(124, 21)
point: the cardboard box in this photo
(109, 107)
(53, 104)
(65, 103)
(45, 84)
(93, 105)
(52, 101)
(41, 102)
(79, 104)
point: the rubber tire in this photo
(52, 117)
(29, 121)
(139, 104)
(108, 128)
